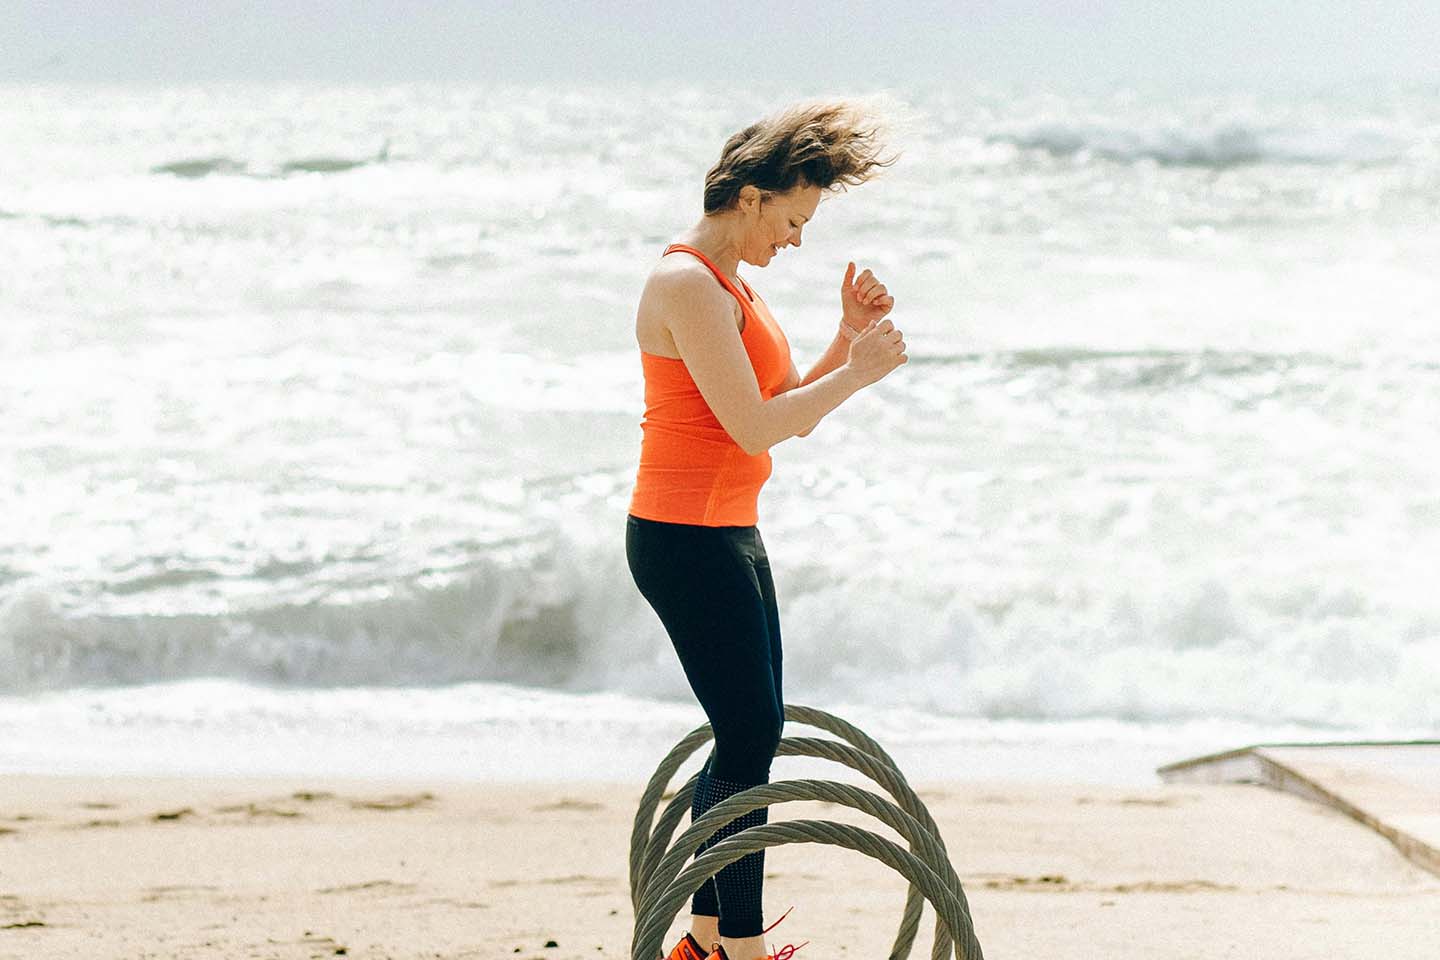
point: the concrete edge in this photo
(1253, 765)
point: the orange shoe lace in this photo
(787, 951)
(784, 953)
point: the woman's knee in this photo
(743, 751)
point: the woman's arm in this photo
(833, 358)
(702, 324)
(863, 299)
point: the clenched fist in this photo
(878, 349)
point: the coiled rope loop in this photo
(660, 883)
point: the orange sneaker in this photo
(688, 949)
(784, 953)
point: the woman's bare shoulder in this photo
(683, 277)
(683, 291)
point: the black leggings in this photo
(712, 590)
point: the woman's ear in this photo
(749, 196)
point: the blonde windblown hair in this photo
(822, 143)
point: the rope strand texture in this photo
(660, 883)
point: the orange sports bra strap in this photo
(724, 280)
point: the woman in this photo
(720, 390)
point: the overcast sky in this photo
(760, 42)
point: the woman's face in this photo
(776, 221)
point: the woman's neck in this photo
(715, 237)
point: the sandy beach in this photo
(133, 867)
(320, 633)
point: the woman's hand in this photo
(863, 299)
(878, 349)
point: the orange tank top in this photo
(691, 471)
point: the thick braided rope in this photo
(842, 753)
(911, 819)
(650, 798)
(878, 766)
(650, 932)
(924, 845)
(697, 738)
(887, 775)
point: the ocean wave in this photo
(1223, 146)
(333, 164)
(1123, 370)
(63, 220)
(1315, 653)
(193, 168)
(1066, 356)
(511, 611)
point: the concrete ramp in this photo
(1393, 787)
